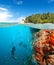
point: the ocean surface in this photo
(20, 37)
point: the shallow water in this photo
(19, 36)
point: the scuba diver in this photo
(13, 52)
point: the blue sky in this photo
(14, 10)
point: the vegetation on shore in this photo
(40, 18)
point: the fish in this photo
(25, 46)
(6, 62)
(20, 43)
(28, 39)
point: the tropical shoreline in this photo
(39, 26)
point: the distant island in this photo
(40, 18)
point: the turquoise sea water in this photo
(19, 36)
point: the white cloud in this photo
(20, 20)
(19, 2)
(4, 15)
(3, 9)
(49, 1)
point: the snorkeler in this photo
(13, 52)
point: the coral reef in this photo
(43, 48)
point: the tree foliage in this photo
(40, 18)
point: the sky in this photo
(16, 10)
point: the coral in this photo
(43, 48)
